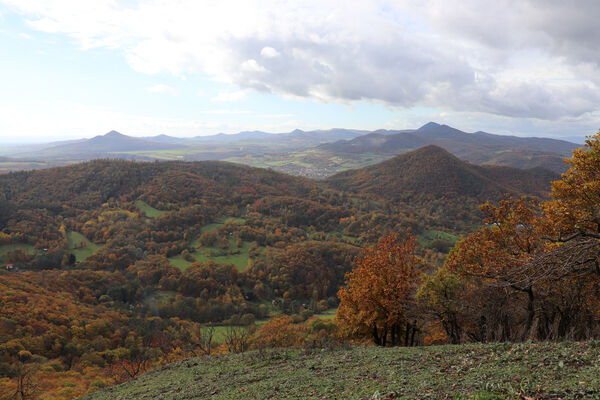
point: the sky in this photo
(73, 69)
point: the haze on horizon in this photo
(74, 69)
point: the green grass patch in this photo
(179, 262)
(474, 371)
(240, 260)
(240, 257)
(80, 246)
(29, 249)
(327, 315)
(148, 210)
(211, 227)
(430, 235)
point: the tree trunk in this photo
(530, 314)
(412, 335)
(376, 338)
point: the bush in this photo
(247, 319)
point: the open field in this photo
(75, 246)
(475, 371)
(327, 315)
(29, 249)
(147, 209)
(429, 236)
(240, 260)
(237, 256)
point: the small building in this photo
(10, 267)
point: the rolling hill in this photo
(446, 186)
(476, 371)
(146, 252)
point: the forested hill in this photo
(414, 180)
(441, 183)
(92, 183)
(143, 253)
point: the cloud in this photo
(528, 59)
(163, 89)
(269, 52)
(229, 96)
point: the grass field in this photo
(9, 247)
(239, 260)
(148, 210)
(429, 236)
(327, 315)
(218, 255)
(179, 262)
(75, 239)
(475, 371)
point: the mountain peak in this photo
(297, 131)
(433, 149)
(113, 134)
(430, 125)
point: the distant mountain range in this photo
(112, 142)
(318, 153)
(297, 136)
(479, 147)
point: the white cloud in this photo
(252, 66)
(229, 96)
(269, 52)
(528, 59)
(163, 89)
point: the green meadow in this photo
(80, 246)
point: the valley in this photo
(152, 258)
(313, 154)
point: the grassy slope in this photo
(327, 315)
(75, 239)
(147, 209)
(489, 371)
(29, 249)
(239, 260)
(429, 235)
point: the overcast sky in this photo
(73, 68)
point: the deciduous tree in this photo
(378, 298)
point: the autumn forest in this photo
(111, 268)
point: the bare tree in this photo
(202, 338)
(237, 339)
(26, 385)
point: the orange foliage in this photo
(379, 295)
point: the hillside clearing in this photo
(27, 248)
(148, 210)
(81, 246)
(477, 371)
